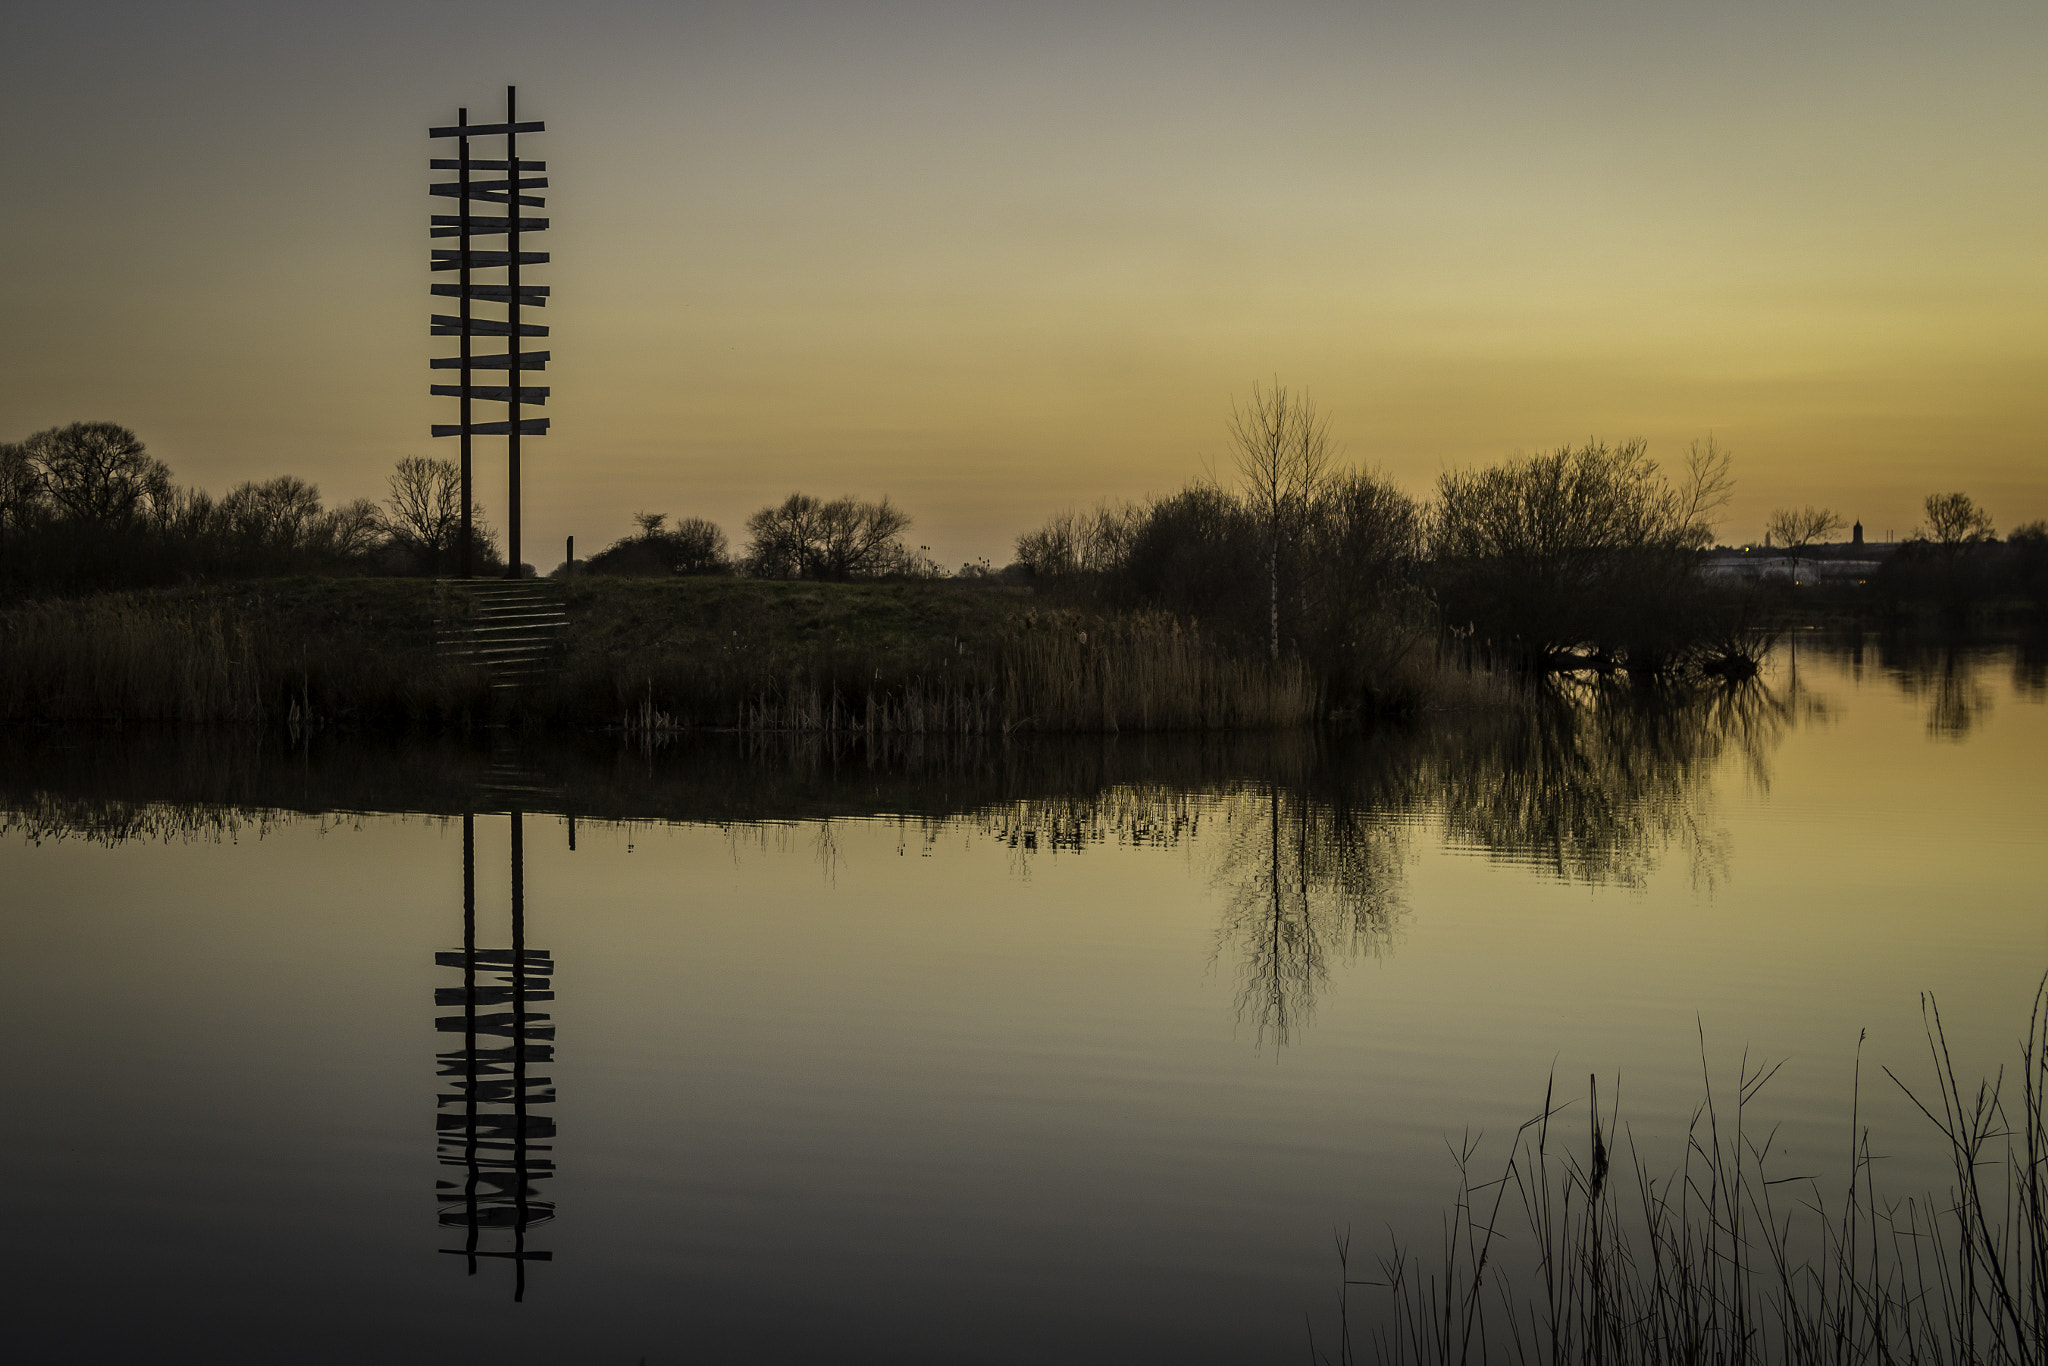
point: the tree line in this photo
(832, 540)
(1582, 556)
(86, 506)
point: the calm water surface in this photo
(1072, 1053)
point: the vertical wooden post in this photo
(518, 1050)
(512, 278)
(569, 560)
(472, 1175)
(462, 244)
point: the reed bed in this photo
(1720, 1261)
(831, 659)
(118, 658)
(160, 657)
(1046, 671)
(1061, 671)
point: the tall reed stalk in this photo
(1717, 1261)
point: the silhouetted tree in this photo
(1072, 543)
(808, 538)
(21, 489)
(1586, 548)
(2029, 549)
(423, 517)
(98, 474)
(692, 546)
(1282, 449)
(1797, 528)
(1954, 521)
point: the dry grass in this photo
(1029, 670)
(1718, 1260)
(216, 658)
(113, 657)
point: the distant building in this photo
(1784, 569)
(1856, 537)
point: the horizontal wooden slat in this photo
(479, 164)
(530, 296)
(445, 326)
(450, 225)
(493, 393)
(528, 360)
(486, 260)
(532, 426)
(485, 130)
(531, 201)
(488, 995)
(525, 183)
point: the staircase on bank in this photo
(513, 628)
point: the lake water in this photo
(1071, 1051)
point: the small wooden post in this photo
(569, 561)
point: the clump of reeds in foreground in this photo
(1718, 1261)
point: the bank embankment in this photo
(642, 654)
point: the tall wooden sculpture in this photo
(514, 294)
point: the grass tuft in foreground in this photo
(1719, 1261)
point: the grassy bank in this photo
(652, 655)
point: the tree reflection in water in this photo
(1944, 675)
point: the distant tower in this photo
(1856, 536)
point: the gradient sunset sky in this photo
(997, 259)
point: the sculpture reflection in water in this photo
(486, 1126)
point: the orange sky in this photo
(994, 260)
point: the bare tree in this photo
(277, 515)
(1554, 553)
(1091, 542)
(21, 488)
(1282, 449)
(424, 511)
(1708, 484)
(806, 537)
(98, 473)
(1954, 520)
(1794, 529)
(693, 545)
(348, 532)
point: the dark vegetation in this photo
(651, 655)
(1954, 570)
(1582, 558)
(1302, 589)
(86, 508)
(692, 546)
